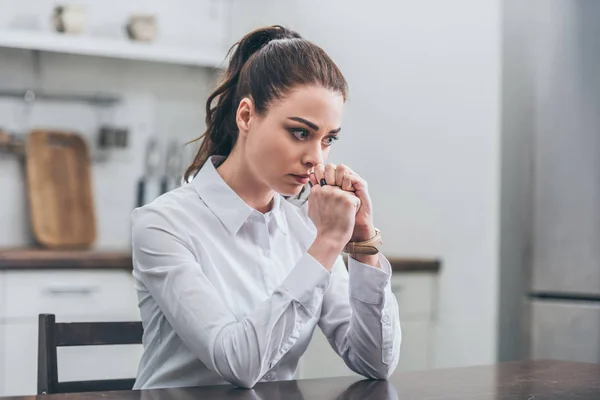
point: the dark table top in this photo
(539, 380)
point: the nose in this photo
(313, 156)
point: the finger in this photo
(358, 204)
(319, 172)
(347, 183)
(330, 174)
(355, 201)
(313, 179)
(358, 183)
(340, 171)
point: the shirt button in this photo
(266, 252)
(386, 319)
(269, 377)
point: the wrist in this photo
(362, 233)
(372, 260)
(326, 250)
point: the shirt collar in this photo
(224, 202)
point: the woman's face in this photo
(296, 133)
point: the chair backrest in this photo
(53, 335)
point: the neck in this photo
(237, 175)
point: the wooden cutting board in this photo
(60, 191)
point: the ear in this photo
(244, 114)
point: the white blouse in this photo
(229, 294)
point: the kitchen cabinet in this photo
(72, 295)
(416, 293)
(2, 351)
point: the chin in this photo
(288, 190)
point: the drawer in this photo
(415, 293)
(70, 294)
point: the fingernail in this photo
(323, 182)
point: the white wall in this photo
(162, 100)
(422, 126)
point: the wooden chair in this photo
(53, 335)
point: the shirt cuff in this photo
(368, 283)
(307, 283)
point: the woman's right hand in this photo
(332, 210)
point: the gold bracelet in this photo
(369, 247)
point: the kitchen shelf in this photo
(109, 48)
(28, 95)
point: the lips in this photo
(301, 179)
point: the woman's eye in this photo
(330, 139)
(300, 134)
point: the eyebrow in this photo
(312, 125)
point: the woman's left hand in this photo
(343, 177)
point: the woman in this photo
(232, 279)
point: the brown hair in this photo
(263, 66)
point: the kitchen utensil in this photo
(60, 190)
(142, 27)
(69, 18)
(10, 144)
(149, 184)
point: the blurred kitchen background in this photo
(476, 123)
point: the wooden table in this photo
(539, 380)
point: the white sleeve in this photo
(360, 317)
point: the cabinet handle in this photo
(71, 291)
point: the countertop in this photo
(538, 380)
(36, 258)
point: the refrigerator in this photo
(563, 302)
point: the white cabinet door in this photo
(415, 293)
(2, 358)
(415, 296)
(20, 361)
(2, 351)
(415, 350)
